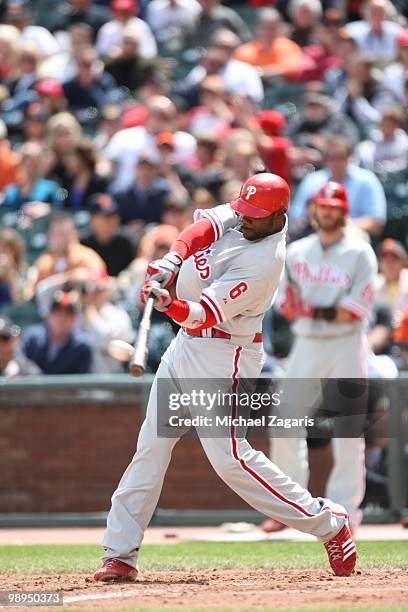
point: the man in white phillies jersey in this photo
(229, 269)
(328, 291)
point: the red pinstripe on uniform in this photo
(214, 223)
(244, 466)
(214, 307)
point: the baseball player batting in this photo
(228, 266)
(328, 292)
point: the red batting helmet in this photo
(332, 194)
(261, 195)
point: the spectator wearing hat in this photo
(266, 128)
(396, 74)
(64, 255)
(387, 150)
(215, 16)
(128, 67)
(144, 200)
(390, 298)
(51, 95)
(55, 346)
(105, 237)
(74, 12)
(376, 34)
(270, 52)
(391, 286)
(174, 173)
(172, 20)
(365, 192)
(83, 181)
(12, 362)
(19, 14)
(9, 159)
(110, 36)
(91, 86)
(31, 185)
(102, 321)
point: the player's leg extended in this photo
(305, 364)
(247, 471)
(346, 483)
(137, 494)
(267, 489)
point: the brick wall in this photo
(69, 458)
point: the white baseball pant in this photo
(315, 358)
(247, 471)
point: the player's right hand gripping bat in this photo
(137, 365)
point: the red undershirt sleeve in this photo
(194, 238)
(179, 311)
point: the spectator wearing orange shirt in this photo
(270, 52)
(9, 160)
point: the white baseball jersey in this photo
(236, 278)
(341, 275)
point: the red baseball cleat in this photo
(114, 570)
(342, 552)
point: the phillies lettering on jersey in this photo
(236, 278)
(202, 264)
(341, 275)
(318, 274)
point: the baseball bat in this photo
(137, 365)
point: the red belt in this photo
(217, 333)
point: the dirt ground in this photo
(226, 588)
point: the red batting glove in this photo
(164, 270)
(162, 298)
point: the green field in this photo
(48, 559)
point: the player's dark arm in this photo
(333, 313)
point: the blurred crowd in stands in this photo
(119, 119)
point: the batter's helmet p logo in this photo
(250, 192)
